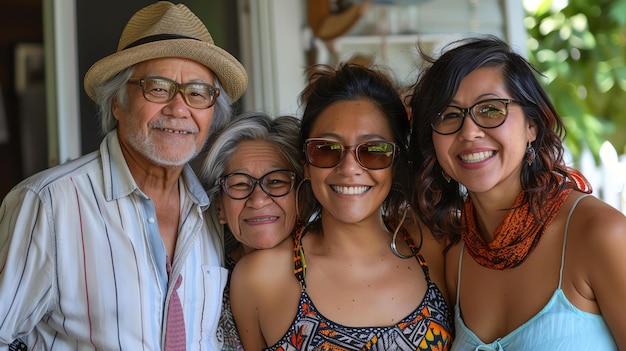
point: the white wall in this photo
(273, 53)
(62, 85)
(275, 37)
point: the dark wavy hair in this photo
(328, 85)
(438, 202)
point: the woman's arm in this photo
(245, 293)
(603, 235)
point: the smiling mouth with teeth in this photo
(264, 219)
(476, 157)
(175, 131)
(350, 190)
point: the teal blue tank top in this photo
(559, 326)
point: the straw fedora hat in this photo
(161, 30)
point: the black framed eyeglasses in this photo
(487, 114)
(328, 153)
(239, 186)
(163, 90)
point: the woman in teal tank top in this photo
(533, 262)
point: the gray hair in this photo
(114, 89)
(283, 132)
(210, 165)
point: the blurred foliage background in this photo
(580, 47)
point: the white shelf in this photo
(394, 39)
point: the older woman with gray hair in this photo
(252, 150)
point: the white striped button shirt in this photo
(82, 264)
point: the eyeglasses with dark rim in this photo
(239, 186)
(487, 114)
(328, 153)
(163, 90)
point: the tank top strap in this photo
(299, 269)
(458, 276)
(415, 251)
(569, 216)
(424, 265)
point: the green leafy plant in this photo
(580, 47)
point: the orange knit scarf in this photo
(515, 237)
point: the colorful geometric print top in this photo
(428, 327)
(227, 335)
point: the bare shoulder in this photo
(597, 225)
(597, 232)
(253, 289)
(597, 239)
(432, 250)
(264, 295)
(420, 233)
(264, 267)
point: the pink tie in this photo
(175, 332)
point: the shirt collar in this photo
(119, 182)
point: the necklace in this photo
(516, 236)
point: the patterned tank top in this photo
(428, 327)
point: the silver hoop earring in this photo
(394, 248)
(298, 217)
(531, 154)
(446, 176)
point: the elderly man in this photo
(111, 251)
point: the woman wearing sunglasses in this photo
(250, 170)
(355, 276)
(535, 262)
